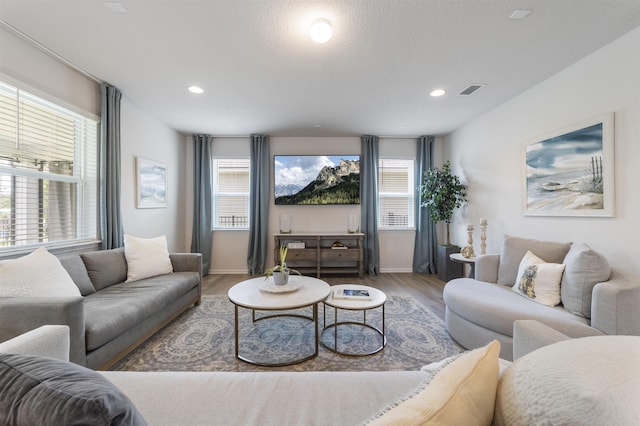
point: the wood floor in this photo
(424, 288)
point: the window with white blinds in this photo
(231, 193)
(48, 172)
(396, 194)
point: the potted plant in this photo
(281, 272)
(442, 192)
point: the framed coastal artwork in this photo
(570, 172)
(151, 184)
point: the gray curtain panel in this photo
(258, 205)
(425, 246)
(111, 229)
(202, 203)
(369, 203)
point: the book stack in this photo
(350, 293)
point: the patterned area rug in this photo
(202, 339)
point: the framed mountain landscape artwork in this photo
(316, 179)
(570, 172)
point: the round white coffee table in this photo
(376, 299)
(249, 295)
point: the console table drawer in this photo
(348, 254)
(301, 254)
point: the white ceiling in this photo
(262, 74)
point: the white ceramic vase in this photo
(281, 277)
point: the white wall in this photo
(488, 153)
(143, 135)
(229, 252)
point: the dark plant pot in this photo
(448, 269)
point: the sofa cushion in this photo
(586, 381)
(538, 280)
(463, 392)
(105, 267)
(78, 272)
(38, 274)
(496, 307)
(584, 269)
(119, 308)
(514, 249)
(46, 391)
(146, 257)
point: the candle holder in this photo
(285, 224)
(483, 236)
(352, 224)
(467, 251)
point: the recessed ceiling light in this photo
(195, 89)
(438, 92)
(520, 14)
(115, 7)
(321, 30)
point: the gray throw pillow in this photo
(584, 268)
(46, 391)
(514, 249)
(105, 267)
(78, 273)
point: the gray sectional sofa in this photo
(112, 316)
(594, 300)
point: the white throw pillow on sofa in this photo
(38, 274)
(538, 280)
(146, 257)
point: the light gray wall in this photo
(230, 247)
(488, 152)
(34, 71)
(141, 134)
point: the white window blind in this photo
(48, 172)
(231, 193)
(396, 194)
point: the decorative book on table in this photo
(351, 293)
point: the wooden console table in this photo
(317, 257)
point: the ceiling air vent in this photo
(470, 89)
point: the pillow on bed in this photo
(45, 391)
(463, 392)
(38, 274)
(146, 257)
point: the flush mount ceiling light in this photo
(438, 92)
(115, 7)
(520, 14)
(195, 89)
(321, 30)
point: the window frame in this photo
(84, 179)
(216, 226)
(410, 194)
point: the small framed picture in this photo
(151, 184)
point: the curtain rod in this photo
(46, 50)
(381, 137)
